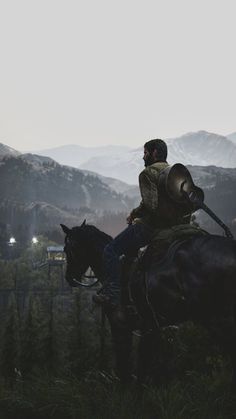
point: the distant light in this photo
(34, 240)
(12, 240)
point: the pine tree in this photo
(10, 346)
(30, 353)
(47, 339)
(83, 342)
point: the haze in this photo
(115, 72)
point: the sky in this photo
(104, 72)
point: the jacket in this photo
(156, 209)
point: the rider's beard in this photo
(149, 160)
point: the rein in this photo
(83, 284)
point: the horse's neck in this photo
(96, 261)
(97, 266)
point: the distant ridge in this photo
(200, 148)
(232, 137)
(75, 155)
(203, 148)
(5, 150)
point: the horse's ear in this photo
(83, 223)
(65, 229)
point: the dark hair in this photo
(158, 145)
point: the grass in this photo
(100, 396)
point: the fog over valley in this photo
(125, 163)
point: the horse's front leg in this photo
(149, 347)
(122, 343)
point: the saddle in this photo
(164, 241)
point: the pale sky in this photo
(98, 72)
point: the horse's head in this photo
(77, 252)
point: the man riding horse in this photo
(195, 280)
(155, 212)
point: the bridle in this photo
(68, 249)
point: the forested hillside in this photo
(56, 357)
(38, 193)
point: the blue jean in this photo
(128, 242)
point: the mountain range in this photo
(124, 163)
(75, 155)
(36, 190)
